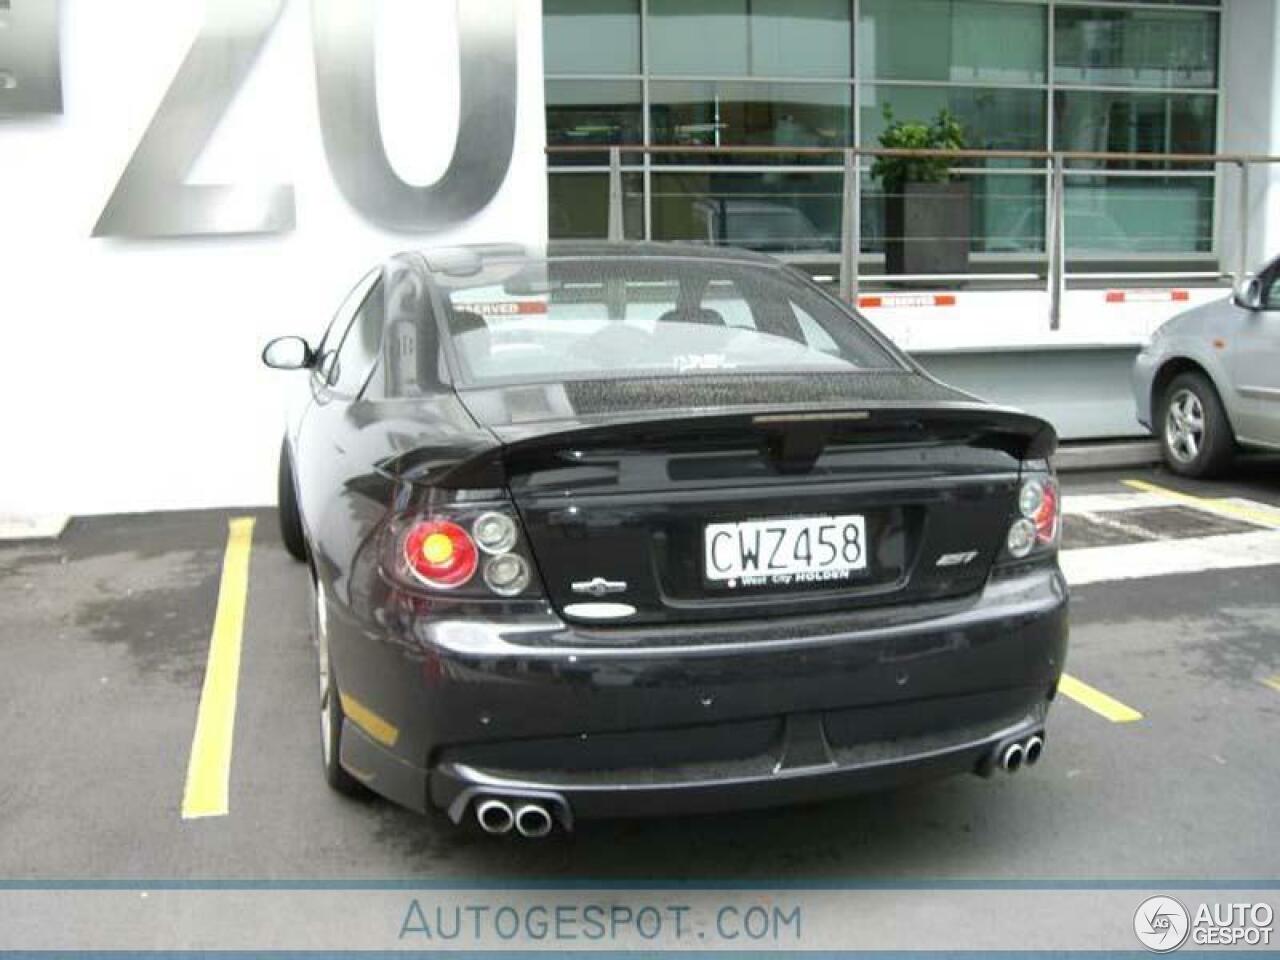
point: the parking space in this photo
(136, 690)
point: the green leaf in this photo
(944, 132)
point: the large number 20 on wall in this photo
(153, 198)
(181, 180)
(30, 65)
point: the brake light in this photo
(441, 554)
(470, 550)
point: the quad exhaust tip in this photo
(1034, 748)
(495, 816)
(1013, 756)
(1011, 759)
(533, 821)
(529, 818)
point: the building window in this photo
(591, 36)
(1158, 68)
(579, 206)
(994, 118)
(1136, 47)
(584, 113)
(959, 41)
(727, 113)
(1124, 122)
(750, 38)
(1119, 216)
(775, 211)
(1131, 76)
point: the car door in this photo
(299, 406)
(1253, 363)
(346, 358)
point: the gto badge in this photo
(600, 587)
(957, 559)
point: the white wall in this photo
(131, 378)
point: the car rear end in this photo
(693, 594)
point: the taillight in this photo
(1046, 514)
(507, 575)
(441, 554)
(1036, 527)
(465, 550)
(495, 532)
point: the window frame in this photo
(323, 380)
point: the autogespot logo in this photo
(1162, 924)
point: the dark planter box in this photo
(926, 228)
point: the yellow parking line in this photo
(1273, 682)
(1256, 515)
(209, 768)
(1097, 701)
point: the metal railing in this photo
(1054, 165)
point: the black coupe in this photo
(613, 530)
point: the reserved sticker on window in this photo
(505, 308)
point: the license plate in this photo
(794, 550)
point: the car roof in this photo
(470, 259)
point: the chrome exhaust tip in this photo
(1035, 747)
(495, 817)
(533, 821)
(1012, 757)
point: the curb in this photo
(16, 528)
(1077, 457)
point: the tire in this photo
(1195, 435)
(332, 718)
(295, 540)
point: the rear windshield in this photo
(607, 318)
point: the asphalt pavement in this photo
(1162, 763)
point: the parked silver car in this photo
(1209, 380)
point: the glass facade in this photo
(1132, 76)
(732, 113)
(969, 41)
(750, 38)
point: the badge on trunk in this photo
(600, 587)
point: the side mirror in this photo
(289, 353)
(1249, 294)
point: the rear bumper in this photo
(751, 715)
(745, 784)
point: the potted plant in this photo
(926, 212)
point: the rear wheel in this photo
(1195, 435)
(331, 715)
(287, 500)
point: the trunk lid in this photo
(617, 483)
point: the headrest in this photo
(465, 321)
(700, 315)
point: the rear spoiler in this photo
(795, 437)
